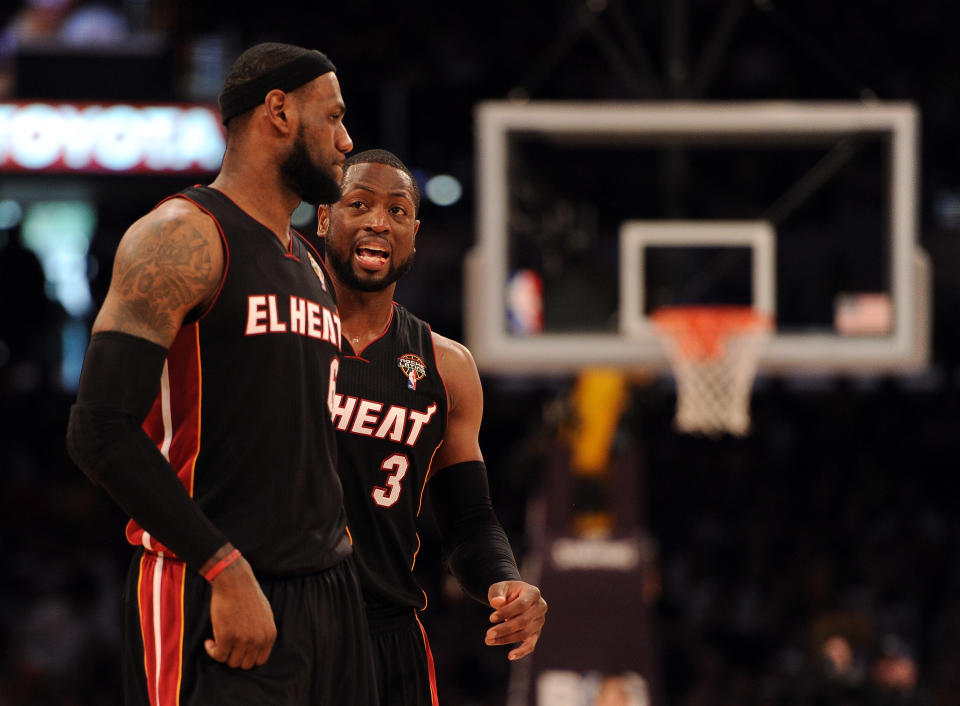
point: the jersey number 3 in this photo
(396, 467)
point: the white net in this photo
(714, 353)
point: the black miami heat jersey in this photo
(390, 412)
(243, 411)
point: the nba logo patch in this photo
(413, 367)
(318, 272)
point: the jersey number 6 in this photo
(396, 468)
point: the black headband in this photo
(245, 96)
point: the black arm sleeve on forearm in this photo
(118, 385)
(475, 546)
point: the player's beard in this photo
(314, 184)
(343, 268)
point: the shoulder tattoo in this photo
(166, 269)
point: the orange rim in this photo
(701, 331)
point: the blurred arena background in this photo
(813, 560)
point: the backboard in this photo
(808, 210)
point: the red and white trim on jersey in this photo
(160, 599)
(431, 670)
(173, 423)
(446, 390)
(165, 412)
(413, 559)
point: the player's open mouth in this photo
(372, 257)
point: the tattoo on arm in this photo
(161, 275)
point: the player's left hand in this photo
(519, 612)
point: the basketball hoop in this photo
(714, 351)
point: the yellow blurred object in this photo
(598, 401)
(593, 525)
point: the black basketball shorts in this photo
(404, 662)
(322, 655)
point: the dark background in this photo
(836, 516)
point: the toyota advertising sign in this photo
(64, 137)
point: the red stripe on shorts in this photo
(430, 668)
(160, 593)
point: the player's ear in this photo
(323, 219)
(276, 104)
(416, 227)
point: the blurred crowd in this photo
(814, 562)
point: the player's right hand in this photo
(243, 626)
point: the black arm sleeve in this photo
(475, 547)
(118, 385)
